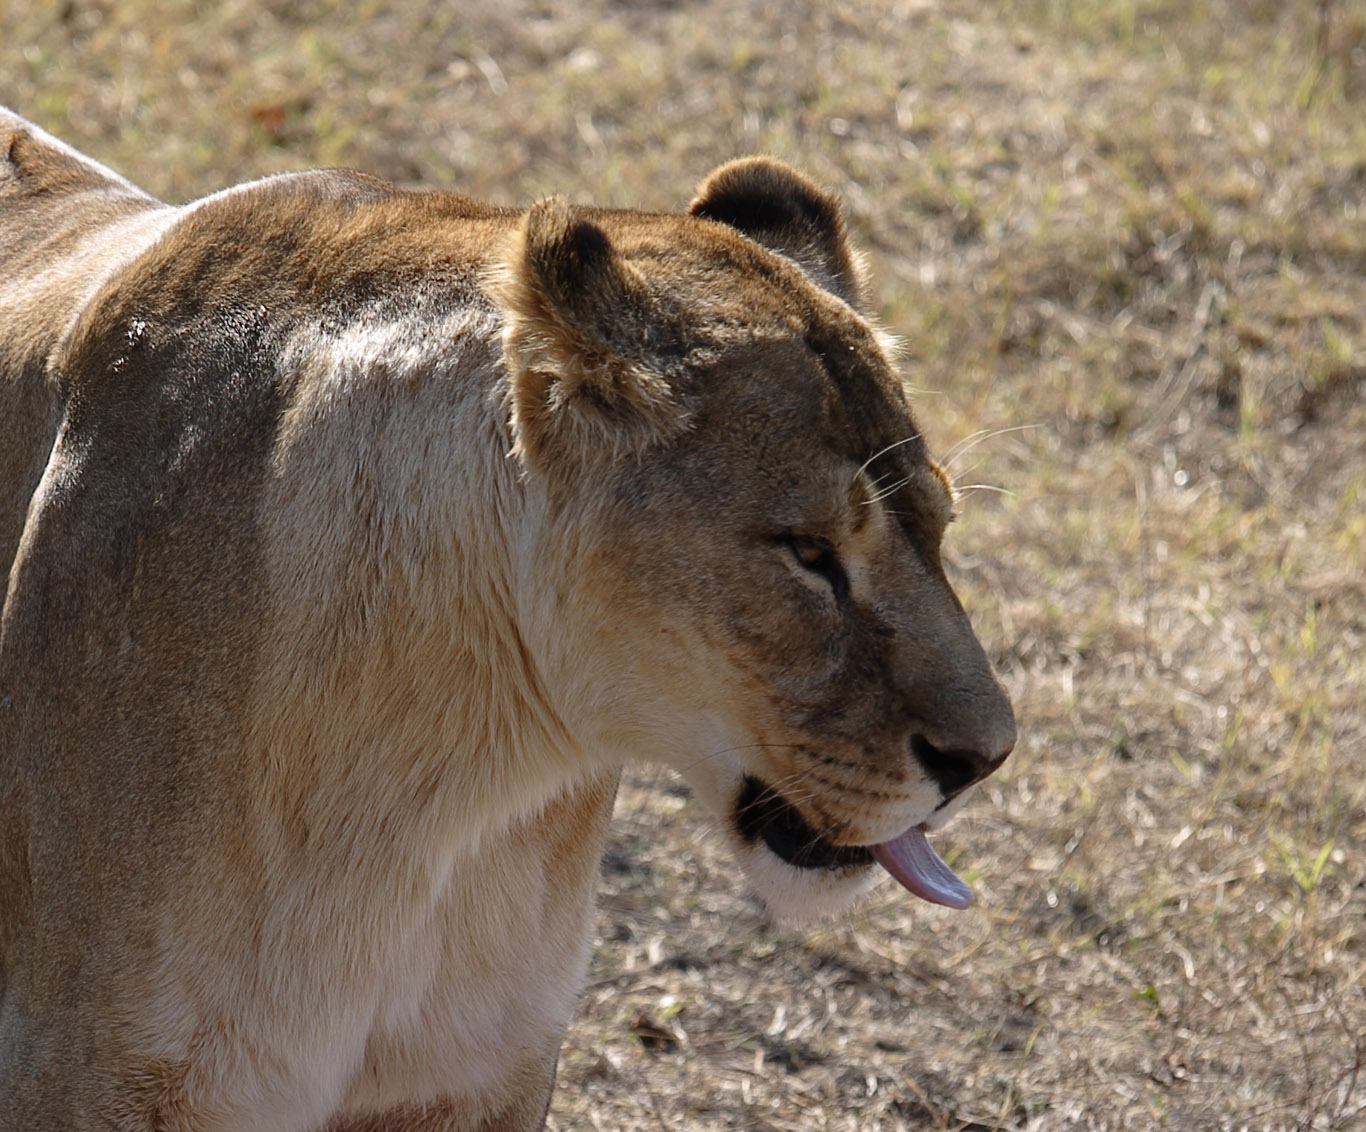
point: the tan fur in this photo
(355, 538)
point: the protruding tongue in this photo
(919, 869)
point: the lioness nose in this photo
(957, 768)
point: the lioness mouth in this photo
(762, 813)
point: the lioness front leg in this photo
(526, 1114)
(446, 1118)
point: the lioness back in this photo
(355, 539)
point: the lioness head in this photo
(724, 450)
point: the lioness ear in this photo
(776, 206)
(576, 340)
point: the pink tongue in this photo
(919, 869)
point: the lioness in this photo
(355, 538)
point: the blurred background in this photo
(1124, 247)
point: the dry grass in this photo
(1125, 246)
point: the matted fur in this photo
(355, 538)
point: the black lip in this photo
(762, 813)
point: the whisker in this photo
(897, 444)
(963, 490)
(883, 494)
(971, 440)
(796, 788)
(876, 483)
(705, 755)
(968, 443)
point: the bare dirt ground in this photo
(1124, 245)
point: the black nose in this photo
(955, 769)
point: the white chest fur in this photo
(485, 985)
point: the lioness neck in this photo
(396, 668)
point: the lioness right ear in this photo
(576, 339)
(774, 205)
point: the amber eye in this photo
(819, 557)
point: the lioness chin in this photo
(355, 538)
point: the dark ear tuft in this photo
(776, 206)
(565, 254)
(570, 267)
(587, 243)
(574, 319)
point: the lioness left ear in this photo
(776, 206)
(576, 339)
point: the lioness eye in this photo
(820, 558)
